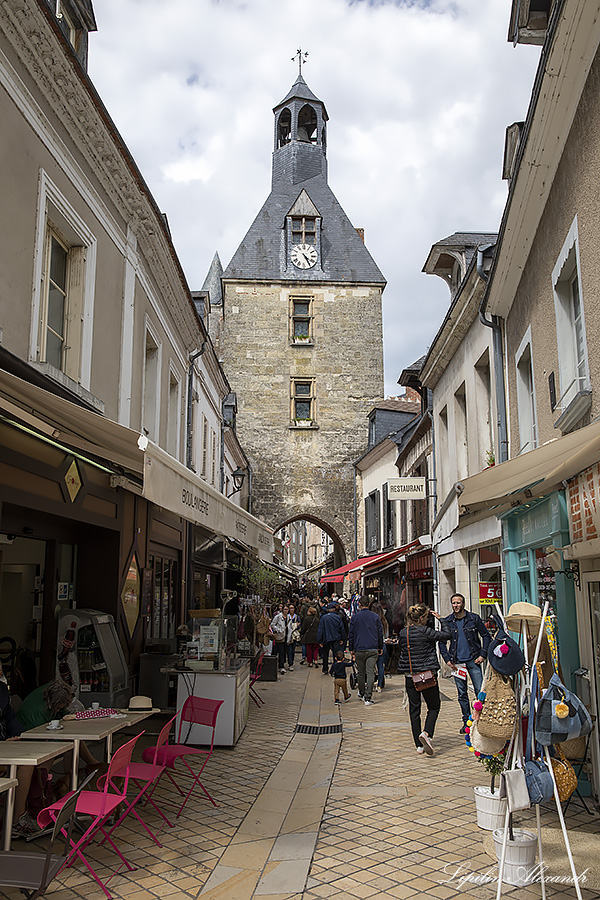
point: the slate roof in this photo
(261, 255)
(212, 282)
(465, 242)
(301, 90)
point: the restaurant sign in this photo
(406, 488)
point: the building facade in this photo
(301, 334)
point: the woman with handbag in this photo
(292, 635)
(308, 635)
(419, 664)
(279, 630)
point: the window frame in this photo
(56, 213)
(566, 272)
(151, 409)
(295, 317)
(299, 235)
(372, 522)
(310, 398)
(526, 406)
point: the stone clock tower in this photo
(301, 337)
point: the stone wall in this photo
(304, 472)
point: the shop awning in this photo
(531, 475)
(69, 424)
(338, 575)
(171, 485)
(387, 560)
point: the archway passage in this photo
(310, 545)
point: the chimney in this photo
(361, 233)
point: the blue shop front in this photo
(528, 533)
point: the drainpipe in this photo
(498, 351)
(433, 483)
(355, 512)
(190, 399)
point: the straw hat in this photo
(522, 612)
(140, 703)
(485, 745)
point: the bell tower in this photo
(302, 335)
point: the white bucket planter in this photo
(520, 855)
(491, 810)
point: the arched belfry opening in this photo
(307, 125)
(284, 128)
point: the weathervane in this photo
(302, 57)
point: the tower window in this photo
(304, 230)
(301, 319)
(303, 400)
(284, 128)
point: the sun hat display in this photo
(522, 612)
(504, 654)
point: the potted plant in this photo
(490, 458)
(491, 810)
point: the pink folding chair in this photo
(99, 805)
(144, 775)
(254, 678)
(196, 711)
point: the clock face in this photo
(304, 256)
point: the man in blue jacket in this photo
(331, 634)
(467, 649)
(365, 640)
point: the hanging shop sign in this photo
(406, 489)
(489, 592)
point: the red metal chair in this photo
(256, 677)
(99, 805)
(195, 711)
(144, 775)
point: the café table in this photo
(25, 753)
(78, 730)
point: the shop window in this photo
(372, 519)
(301, 317)
(573, 367)
(164, 597)
(303, 402)
(526, 406)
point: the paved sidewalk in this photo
(343, 807)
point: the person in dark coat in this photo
(417, 654)
(309, 635)
(331, 634)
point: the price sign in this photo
(490, 592)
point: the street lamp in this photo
(238, 480)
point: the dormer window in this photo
(304, 230)
(63, 16)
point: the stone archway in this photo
(340, 556)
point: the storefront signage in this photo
(489, 591)
(169, 484)
(406, 489)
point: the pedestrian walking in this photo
(469, 642)
(365, 640)
(418, 654)
(331, 634)
(340, 682)
(292, 635)
(279, 628)
(309, 630)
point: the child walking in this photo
(338, 670)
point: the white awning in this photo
(166, 482)
(171, 485)
(531, 475)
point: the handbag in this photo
(421, 680)
(504, 654)
(295, 633)
(561, 715)
(497, 718)
(540, 783)
(513, 787)
(564, 775)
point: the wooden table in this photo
(25, 753)
(77, 730)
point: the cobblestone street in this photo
(348, 814)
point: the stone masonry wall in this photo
(301, 472)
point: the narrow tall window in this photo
(151, 404)
(56, 301)
(303, 411)
(173, 421)
(204, 467)
(460, 431)
(526, 399)
(301, 319)
(372, 519)
(213, 456)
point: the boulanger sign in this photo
(406, 489)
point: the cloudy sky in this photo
(419, 93)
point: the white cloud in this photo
(418, 95)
